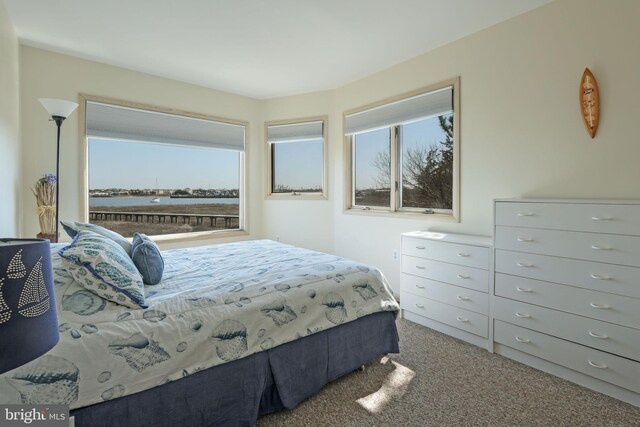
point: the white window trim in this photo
(320, 195)
(243, 210)
(397, 212)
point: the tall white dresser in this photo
(444, 283)
(567, 290)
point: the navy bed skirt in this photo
(238, 392)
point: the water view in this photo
(128, 201)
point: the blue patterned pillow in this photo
(72, 228)
(147, 258)
(101, 266)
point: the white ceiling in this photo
(257, 48)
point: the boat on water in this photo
(156, 199)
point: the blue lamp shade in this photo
(28, 317)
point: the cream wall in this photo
(305, 223)
(51, 75)
(10, 154)
(521, 130)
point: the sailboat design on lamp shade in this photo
(16, 268)
(28, 315)
(34, 298)
(5, 311)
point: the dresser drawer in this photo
(470, 256)
(609, 248)
(448, 294)
(596, 305)
(615, 279)
(466, 320)
(605, 336)
(607, 367)
(590, 217)
(467, 277)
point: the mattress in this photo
(214, 305)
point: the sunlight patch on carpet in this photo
(394, 387)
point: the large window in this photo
(159, 173)
(404, 154)
(297, 158)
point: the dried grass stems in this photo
(45, 192)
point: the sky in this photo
(289, 156)
(131, 165)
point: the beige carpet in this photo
(439, 381)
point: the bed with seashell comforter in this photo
(215, 305)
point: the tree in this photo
(427, 173)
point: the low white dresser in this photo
(444, 283)
(567, 290)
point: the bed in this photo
(233, 331)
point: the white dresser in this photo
(566, 295)
(444, 283)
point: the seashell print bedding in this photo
(214, 304)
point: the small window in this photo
(297, 158)
(159, 173)
(404, 154)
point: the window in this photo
(159, 173)
(404, 154)
(297, 158)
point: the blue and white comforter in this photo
(214, 304)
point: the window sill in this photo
(200, 235)
(299, 196)
(438, 217)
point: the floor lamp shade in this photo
(58, 107)
(28, 316)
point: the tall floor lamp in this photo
(59, 110)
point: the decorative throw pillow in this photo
(147, 258)
(72, 228)
(101, 266)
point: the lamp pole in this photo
(58, 120)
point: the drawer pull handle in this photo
(420, 247)
(602, 306)
(520, 339)
(597, 365)
(463, 255)
(602, 218)
(461, 298)
(598, 277)
(601, 247)
(463, 276)
(419, 305)
(420, 267)
(461, 319)
(525, 213)
(524, 289)
(524, 264)
(420, 286)
(524, 239)
(522, 316)
(596, 335)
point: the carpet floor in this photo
(437, 380)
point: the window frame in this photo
(243, 211)
(395, 209)
(319, 195)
